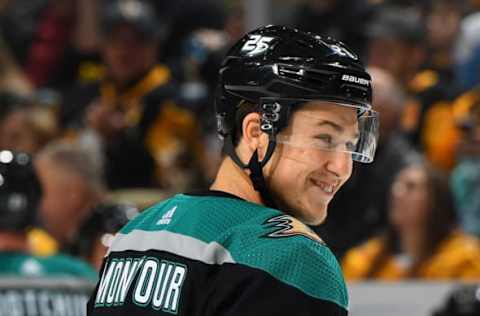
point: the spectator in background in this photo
(467, 52)
(19, 22)
(200, 60)
(186, 17)
(399, 43)
(72, 182)
(438, 132)
(234, 24)
(131, 110)
(11, 77)
(25, 126)
(341, 19)
(465, 178)
(202, 51)
(442, 26)
(360, 210)
(97, 231)
(56, 41)
(423, 240)
(396, 44)
(49, 41)
(20, 195)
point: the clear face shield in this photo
(327, 126)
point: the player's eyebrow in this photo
(336, 127)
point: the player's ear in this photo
(253, 136)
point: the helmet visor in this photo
(327, 126)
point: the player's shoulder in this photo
(190, 214)
(203, 222)
(292, 253)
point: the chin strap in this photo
(255, 166)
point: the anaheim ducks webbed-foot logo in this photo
(288, 226)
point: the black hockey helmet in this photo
(20, 191)
(277, 68)
(282, 62)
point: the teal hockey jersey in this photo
(215, 254)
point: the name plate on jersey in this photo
(151, 282)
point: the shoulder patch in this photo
(302, 263)
(288, 226)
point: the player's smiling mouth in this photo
(327, 187)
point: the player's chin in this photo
(316, 212)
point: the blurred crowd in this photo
(113, 100)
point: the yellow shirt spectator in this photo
(457, 257)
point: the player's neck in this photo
(12, 241)
(231, 179)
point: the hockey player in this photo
(20, 194)
(294, 112)
(29, 284)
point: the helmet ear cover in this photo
(274, 118)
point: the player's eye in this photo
(351, 146)
(324, 140)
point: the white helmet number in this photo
(256, 44)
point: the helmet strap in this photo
(258, 180)
(255, 166)
(230, 151)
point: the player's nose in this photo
(339, 163)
